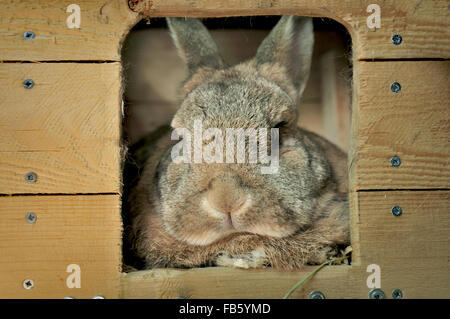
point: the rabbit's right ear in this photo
(195, 44)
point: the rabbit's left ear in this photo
(195, 44)
(286, 53)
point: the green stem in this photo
(312, 274)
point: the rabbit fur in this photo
(229, 214)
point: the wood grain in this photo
(220, 282)
(66, 129)
(413, 249)
(413, 124)
(423, 25)
(102, 29)
(83, 230)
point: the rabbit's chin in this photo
(209, 237)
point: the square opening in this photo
(154, 74)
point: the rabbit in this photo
(187, 215)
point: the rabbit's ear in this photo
(288, 48)
(194, 43)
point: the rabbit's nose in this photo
(225, 195)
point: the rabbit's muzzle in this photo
(226, 196)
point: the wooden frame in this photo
(67, 131)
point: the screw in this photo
(395, 161)
(396, 211)
(315, 294)
(397, 294)
(28, 84)
(28, 284)
(30, 177)
(31, 218)
(397, 39)
(28, 35)
(98, 297)
(69, 297)
(376, 294)
(396, 87)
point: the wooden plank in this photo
(102, 29)
(66, 129)
(82, 230)
(413, 124)
(423, 25)
(413, 249)
(221, 282)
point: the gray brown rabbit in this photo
(231, 214)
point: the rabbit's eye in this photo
(280, 124)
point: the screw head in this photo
(315, 294)
(397, 211)
(28, 83)
(395, 161)
(376, 293)
(69, 297)
(28, 35)
(396, 87)
(397, 39)
(28, 284)
(31, 217)
(98, 297)
(397, 294)
(30, 177)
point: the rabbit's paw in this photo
(256, 258)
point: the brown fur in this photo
(180, 213)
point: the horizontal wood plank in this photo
(66, 129)
(413, 124)
(221, 282)
(103, 25)
(412, 249)
(423, 25)
(82, 230)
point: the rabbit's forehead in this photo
(235, 102)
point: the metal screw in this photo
(31, 218)
(315, 294)
(28, 84)
(397, 39)
(396, 211)
(30, 177)
(28, 35)
(395, 161)
(69, 297)
(397, 294)
(181, 297)
(98, 297)
(28, 284)
(396, 87)
(376, 293)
